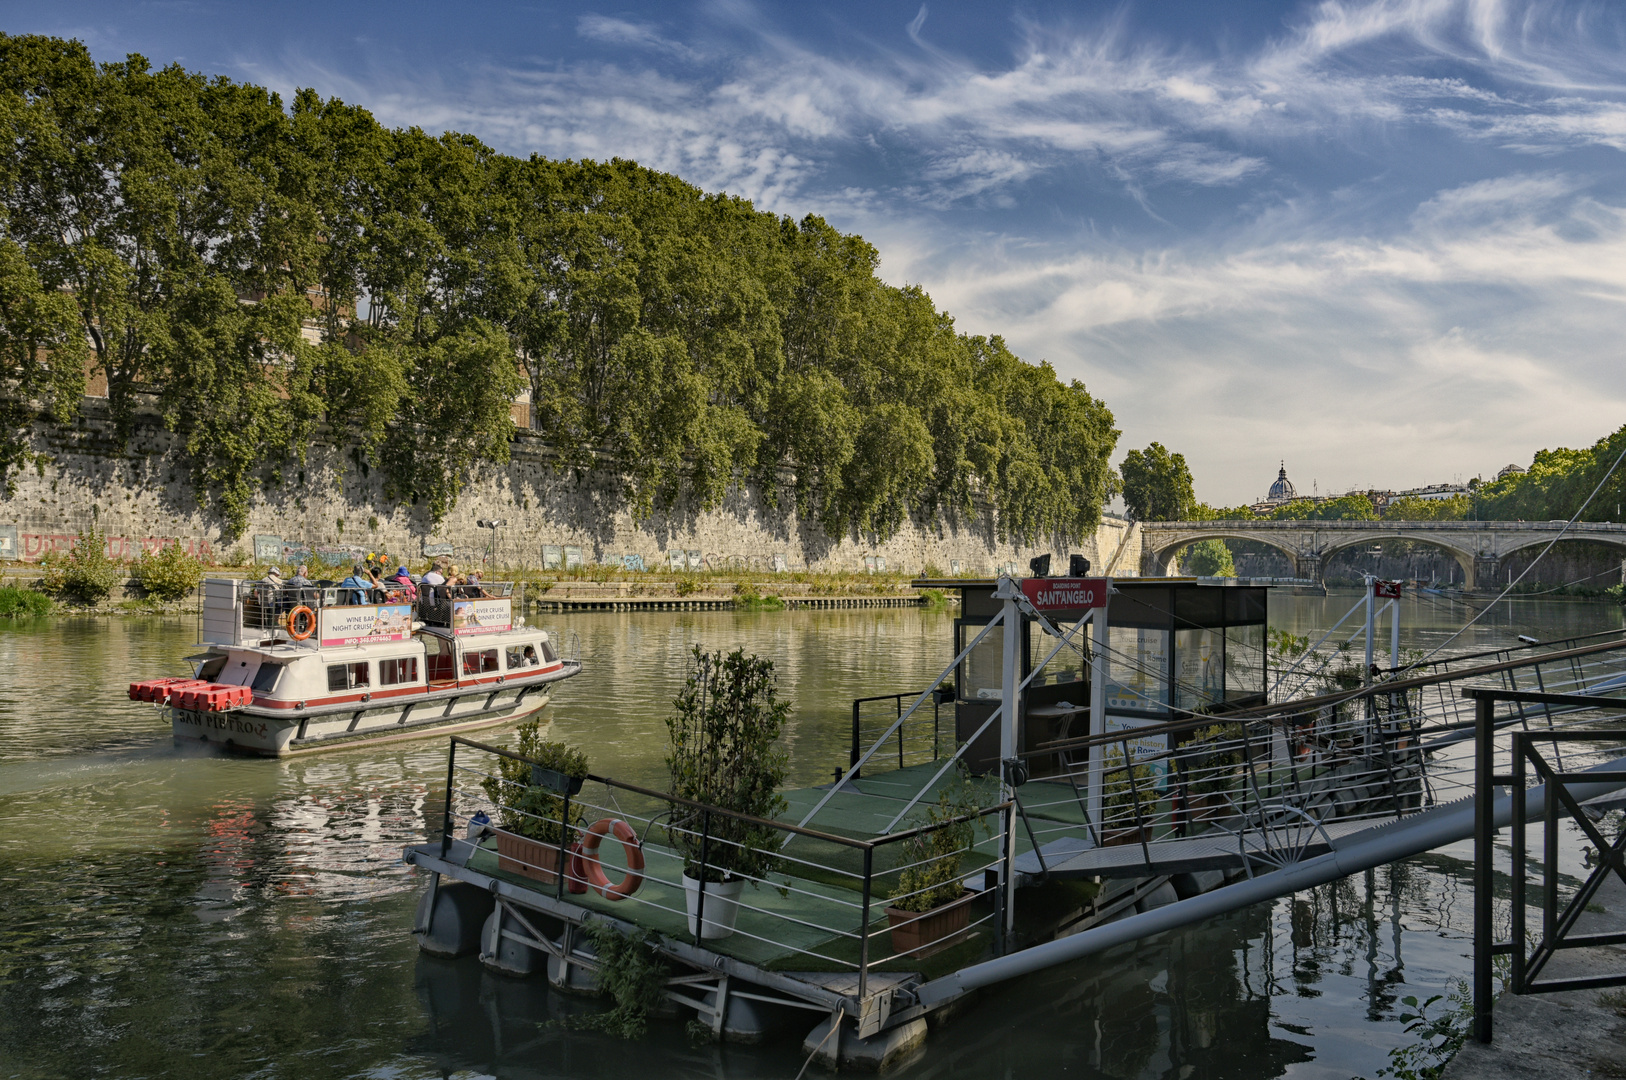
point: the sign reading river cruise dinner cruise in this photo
(368, 624)
(481, 616)
(1065, 593)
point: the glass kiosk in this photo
(1178, 647)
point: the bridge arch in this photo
(1465, 557)
(1162, 555)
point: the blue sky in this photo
(1385, 240)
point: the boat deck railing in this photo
(814, 907)
(265, 606)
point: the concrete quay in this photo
(1570, 1035)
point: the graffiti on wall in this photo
(31, 547)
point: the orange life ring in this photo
(586, 865)
(294, 623)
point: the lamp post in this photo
(491, 548)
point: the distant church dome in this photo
(1282, 489)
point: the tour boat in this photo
(293, 669)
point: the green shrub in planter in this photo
(529, 809)
(932, 857)
(724, 752)
(85, 573)
(169, 573)
(1120, 789)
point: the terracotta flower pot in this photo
(518, 854)
(922, 933)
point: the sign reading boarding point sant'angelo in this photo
(1065, 593)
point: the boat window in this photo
(403, 669)
(475, 663)
(211, 668)
(347, 676)
(265, 679)
(548, 655)
(523, 656)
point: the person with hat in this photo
(404, 580)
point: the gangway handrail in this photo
(1519, 648)
(1279, 712)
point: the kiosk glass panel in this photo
(1138, 674)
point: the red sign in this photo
(1386, 590)
(1065, 593)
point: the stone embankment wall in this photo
(142, 497)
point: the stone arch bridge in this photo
(1478, 546)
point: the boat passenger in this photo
(379, 591)
(472, 586)
(268, 594)
(434, 583)
(530, 656)
(299, 580)
(404, 580)
(354, 589)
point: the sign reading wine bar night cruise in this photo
(1065, 593)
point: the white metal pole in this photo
(1008, 728)
(1371, 585)
(1098, 707)
(1394, 635)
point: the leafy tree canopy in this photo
(1157, 485)
(258, 270)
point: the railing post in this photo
(1484, 848)
(863, 930)
(446, 818)
(700, 901)
(899, 700)
(1520, 744)
(852, 759)
(564, 843)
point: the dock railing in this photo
(919, 738)
(821, 905)
(1271, 783)
(1528, 765)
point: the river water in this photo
(171, 914)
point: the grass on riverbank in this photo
(19, 603)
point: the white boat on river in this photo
(290, 670)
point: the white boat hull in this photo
(264, 734)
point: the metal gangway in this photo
(1290, 794)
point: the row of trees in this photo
(174, 233)
(1157, 486)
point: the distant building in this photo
(1282, 491)
(1509, 470)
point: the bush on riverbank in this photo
(20, 603)
(169, 573)
(84, 573)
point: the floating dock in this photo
(1088, 835)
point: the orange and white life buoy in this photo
(301, 616)
(587, 866)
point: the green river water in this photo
(170, 914)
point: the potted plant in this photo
(1215, 769)
(1122, 789)
(724, 752)
(932, 909)
(530, 802)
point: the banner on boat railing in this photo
(481, 616)
(368, 624)
(1065, 593)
